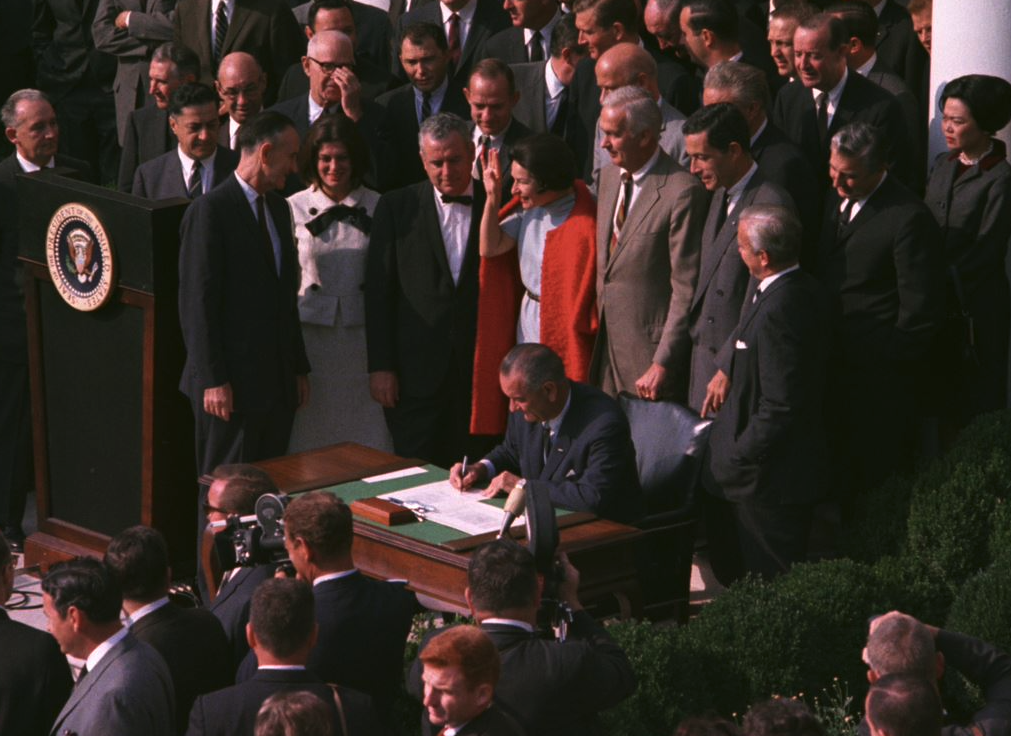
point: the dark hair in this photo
(323, 521)
(282, 614)
(796, 10)
(244, 484)
(192, 94)
(860, 20)
(904, 705)
(318, 5)
(183, 58)
(988, 99)
(916, 7)
(418, 33)
(781, 717)
(138, 558)
(493, 69)
(333, 129)
(294, 713)
(717, 16)
(708, 725)
(501, 576)
(565, 35)
(536, 363)
(608, 12)
(88, 585)
(722, 123)
(549, 160)
(901, 644)
(265, 126)
(837, 36)
(467, 648)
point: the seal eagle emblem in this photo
(79, 257)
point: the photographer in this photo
(553, 688)
(363, 623)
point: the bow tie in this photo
(464, 199)
(356, 217)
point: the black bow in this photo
(356, 217)
(464, 199)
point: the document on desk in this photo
(443, 504)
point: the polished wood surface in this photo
(602, 551)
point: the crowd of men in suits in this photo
(763, 252)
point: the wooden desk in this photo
(602, 551)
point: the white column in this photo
(970, 37)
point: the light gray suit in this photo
(723, 282)
(645, 287)
(149, 26)
(672, 141)
(128, 692)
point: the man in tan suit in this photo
(650, 215)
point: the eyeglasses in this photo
(329, 67)
(232, 93)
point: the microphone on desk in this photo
(513, 507)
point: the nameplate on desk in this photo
(382, 511)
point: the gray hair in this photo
(746, 83)
(182, 58)
(774, 229)
(863, 142)
(535, 363)
(641, 111)
(901, 644)
(9, 112)
(326, 38)
(441, 126)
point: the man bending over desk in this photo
(563, 438)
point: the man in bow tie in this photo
(421, 298)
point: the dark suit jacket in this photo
(193, 645)
(162, 178)
(232, 711)
(418, 323)
(231, 606)
(795, 115)
(489, 18)
(591, 466)
(781, 162)
(64, 50)
(34, 679)
(899, 48)
(885, 275)
(264, 28)
(129, 691)
(533, 89)
(147, 136)
(553, 687)
(507, 46)
(912, 114)
(400, 130)
(493, 722)
(515, 132)
(767, 443)
(13, 337)
(363, 627)
(239, 317)
(723, 281)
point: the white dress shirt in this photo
(553, 98)
(833, 96)
(206, 171)
(454, 222)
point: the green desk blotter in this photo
(429, 531)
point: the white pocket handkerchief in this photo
(571, 474)
(740, 345)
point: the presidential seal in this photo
(79, 257)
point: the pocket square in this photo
(741, 345)
(571, 474)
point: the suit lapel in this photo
(240, 16)
(204, 45)
(563, 440)
(713, 246)
(471, 253)
(83, 687)
(649, 195)
(430, 224)
(609, 179)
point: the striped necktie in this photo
(220, 29)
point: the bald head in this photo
(626, 64)
(330, 55)
(329, 41)
(241, 83)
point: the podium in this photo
(113, 437)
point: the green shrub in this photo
(1000, 534)
(878, 527)
(982, 607)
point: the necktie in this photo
(464, 199)
(721, 216)
(558, 126)
(220, 29)
(545, 442)
(195, 185)
(266, 243)
(621, 210)
(537, 47)
(81, 675)
(426, 106)
(844, 215)
(822, 111)
(355, 216)
(482, 150)
(453, 37)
